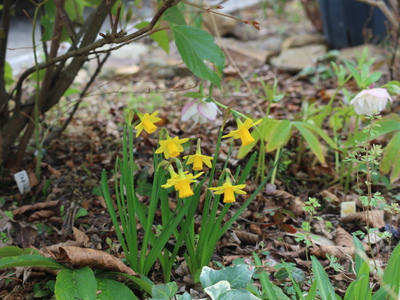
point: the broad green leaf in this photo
(278, 135)
(164, 291)
(185, 296)
(311, 140)
(387, 124)
(391, 158)
(238, 276)
(321, 133)
(174, 15)
(29, 260)
(391, 277)
(15, 251)
(196, 46)
(76, 284)
(325, 287)
(160, 37)
(143, 282)
(360, 254)
(71, 91)
(215, 290)
(237, 294)
(8, 74)
(111, 289)
(222, 291)
(312, 291)
(373, 78)
(361, 286)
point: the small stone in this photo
(221, 25)
(127, 70)
(296, 59)
(303, 40)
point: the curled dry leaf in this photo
(37, 206)
(337, 251)
(329, 196)
(81, 237)
(41, 215)
(289, 201)
(343, 238)
(375, 218)
(319, 227)
(254, 228)
(247, 237)
(83, 257)
(24, 235)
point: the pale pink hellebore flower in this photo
(199, 111)
(372, 101)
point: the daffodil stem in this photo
(274, 171)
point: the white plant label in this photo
(22, 180)
(347, 208)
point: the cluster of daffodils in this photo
(172, 148)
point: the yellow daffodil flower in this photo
(229, 190)
(147, 123)
(181, 183)
(171, 147)
(198, 159)
(243, 131)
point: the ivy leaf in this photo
(195, 46)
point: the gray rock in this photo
(296, 59)
(218, 25)
(355, 52)
(303, 40)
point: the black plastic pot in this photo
(344, 22)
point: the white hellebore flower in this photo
(372, 101)
(199, 111)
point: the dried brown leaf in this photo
(247, 237)
(24, 235)
(343, 238)
(293, 203)
(319, 227)
(37, 206)
(337, 251)
(254, 228)
(329, 196)
(81, 237)
(82, 257)
(41, 215)
(375, 218)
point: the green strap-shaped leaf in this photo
(391, 158)
(386, 125)
(29, 260)
(391, 277)
(196, 46)
(325, 287)
(76, 284)
(277, 134)
(15, 251)
(321, 133)
(312, 141)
